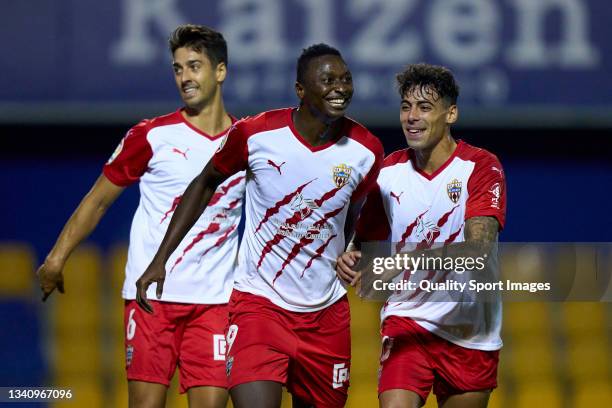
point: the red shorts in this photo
(307, 352)
(190, 335)
(415, 359)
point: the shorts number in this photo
(131, 326)
(219, 347)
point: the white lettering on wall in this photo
(464, 32)
(377, 41)
(319, 21)
(253, 31)
(137, 44)
(530, 48)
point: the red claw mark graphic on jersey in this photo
(220, 241)
(211, 229)
(296, 217)
(319, 202)
(317, 254)
(223, 190)
(305, 240)
(397, 197)
(453, 236)
(184, 154)
(276, 166)
(175, 204)
(285, 200)
(408, 231)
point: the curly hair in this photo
(430, 79)
(314, 51)
(200, 39)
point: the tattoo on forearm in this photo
(481, 229)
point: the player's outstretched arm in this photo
(192, 205)
(82, 222)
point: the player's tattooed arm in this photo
(480, 235)
(481, 231)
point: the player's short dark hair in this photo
(436, 78)
(200, 39)
(314, 51)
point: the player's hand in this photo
(344, 267)
(154, 273)
(50, 277)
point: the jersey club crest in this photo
(341, 175)
(454, 190)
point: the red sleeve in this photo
(131, 157)
(369, 180)
(373, 224)
(487, 190)
(233, 153)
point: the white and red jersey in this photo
(165, 154)
(415, 210)
(297, 197)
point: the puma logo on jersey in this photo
(184, 154)
(276, 166)
(397, 197)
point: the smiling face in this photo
(327, 88)
(196, 79)
(425, 117)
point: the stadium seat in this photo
(175, 399)
(583, 319)
(86, 393)
(593, 394)
(82, 272)
(431, 402)
(362, 394)
(17, 263)
(527, 319)
(77, 355)
(530, 360)
(114, 301)
(116, 267)
(588, 360)
(72, 316)
(116, 356)
(365, 315)
(498, 397)
(538, 394)
(114, 318)
(118, 395)
(78, 314)
(365, 356)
